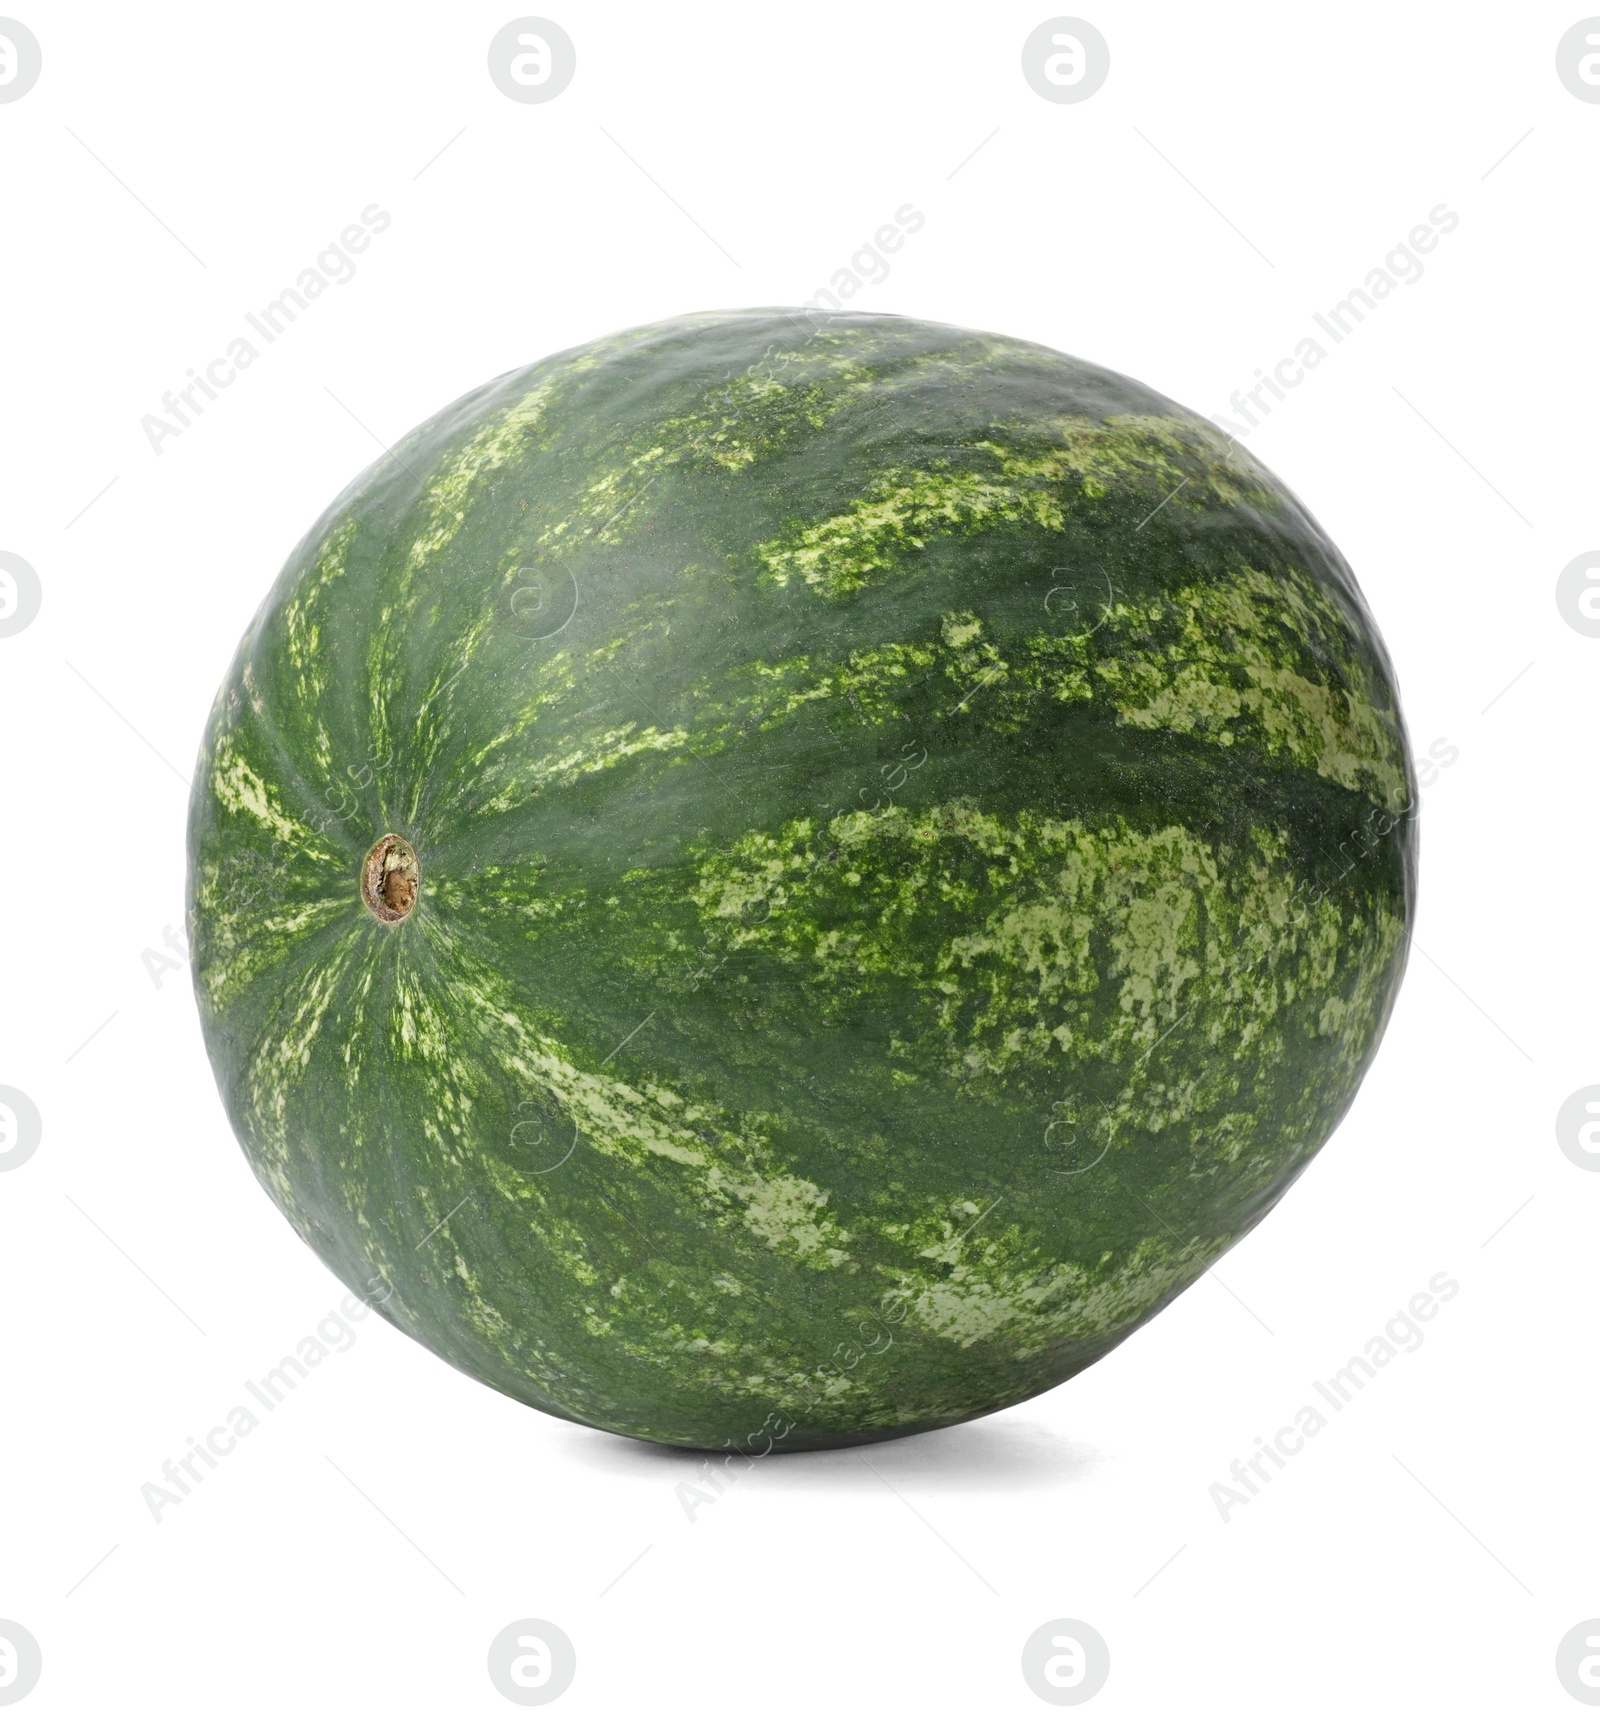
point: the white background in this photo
(175, 168)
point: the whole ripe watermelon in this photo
(779, 880)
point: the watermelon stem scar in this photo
(389, 878)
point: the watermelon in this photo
(783, 879)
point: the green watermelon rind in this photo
(908, 822)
